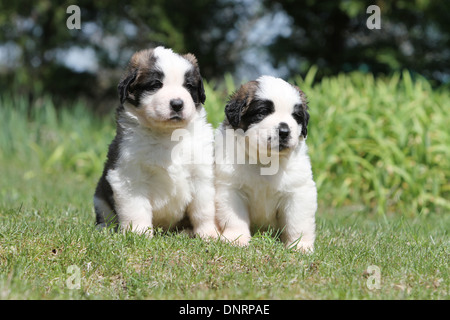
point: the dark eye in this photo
(261, 108)
(298, 113)
(149, 85)
(189, 86)
(154, 85)
(257, 111)
(266, 108)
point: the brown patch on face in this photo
(140, 73)
(192, 59)
(140, 59)
(246, 92)
(143, 62)
(302, 96)
(239, 103)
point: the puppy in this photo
(147, 181)
(265, 119)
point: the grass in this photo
(39, 246)
(378, 148)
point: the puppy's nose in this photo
(176, 104)
(283, 130)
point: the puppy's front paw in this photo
(236, 238)
(138, 229)
(209, 233)
(306, 247)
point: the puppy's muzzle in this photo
(284, 134)
(176, 105)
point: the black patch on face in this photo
(238, 104)
(139, 81)
(233, 111)
(148, 83)
(257, 111)
(301, 115)
(124, 85)
(194, 84)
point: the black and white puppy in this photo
(146, 182)
(266, 119)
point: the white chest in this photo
(169, 191)
(149, 169)
(262, 195)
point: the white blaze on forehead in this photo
(172, 65)
(282, 94)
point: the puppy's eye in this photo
(266, 108)
(189, 86)
(154, 85)
(261, 107)
(149, 86)
(298, 114)
(257, 111)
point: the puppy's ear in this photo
(305, 122)
(239, 102)
(201, 91)
(233, 111)
(124, 87)
(191, 58)
(303, 114)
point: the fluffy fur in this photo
(146, 183)
(270, 116)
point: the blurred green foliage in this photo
(332, 34)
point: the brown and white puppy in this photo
(147, 182)
(265, 128)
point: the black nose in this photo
(283, 130)
(176, 104)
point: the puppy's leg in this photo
(297, 219)
(134, 211)
(232, 215)
(105, 215)
(134, 214)
(201, 210)
(104, 205)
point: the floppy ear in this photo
(124, 86)
(305, 122)
(233, 111)
(201, 91)
(304, 112)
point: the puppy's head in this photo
(162, 89)
(271, 112)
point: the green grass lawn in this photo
(42, 236)
(379, 150)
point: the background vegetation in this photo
(378, 138)
(242, 37)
